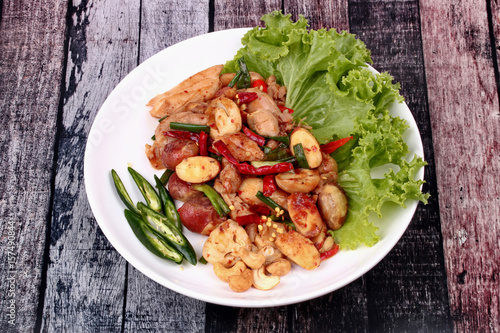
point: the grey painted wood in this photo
(86, 276)
(151, 307)
(31, 65)
(464, 109)
(407, 290)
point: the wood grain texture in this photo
(149, 306)
(86, 276)
(320, 14)
(31, 65)
(465, 116)
(241, 13)
(407, 290)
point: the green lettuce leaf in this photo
(331, 89)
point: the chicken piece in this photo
(242, 147)
(153, 152)
(200, 87)
(263, 102)
(264, 122)
(229, 177)
(299, 249)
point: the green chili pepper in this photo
(172, 234)
(168, 204)
(166, 176)
(122, 192)
(147, 190)
(149, 240)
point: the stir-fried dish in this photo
(276, 179)
(273, 156)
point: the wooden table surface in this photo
(60, 59)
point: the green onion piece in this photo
(266, 150)
(153, 137)
(190, 127)
(234, 80)
(271, 203)
(122, 192)
(162, 118)
(284, 139)
(300, 156)
(147, 190)
(244, 81)
(202, 260)
(166, 176)
(289, 224)
(219, 204)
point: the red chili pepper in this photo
(330, 253)
(253, 136)
(249, 219)
(183, 135)
(261, 84)
(261, 210)
(334, 145)
(246, 97)
(222, 148)
(269, 185)
(248, 169)
(283, 108)
(203, 144)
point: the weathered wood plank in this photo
(86, 276)
(241, 14)
(321, 14)
(31, 66)
(465, 117)
(151, 307)
(407, 290)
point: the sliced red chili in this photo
(269, 185)
(330, 147)
(261, 210)
(248, 169)
(222, 148)
(203, 144)
(249, 219)
(261, 84)
(246, 97)
(330, 253)
(183, 135)
(260, 140)
(283, 108)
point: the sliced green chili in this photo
(122, 192)
(167, 228)
(147, 190)
(168, 204)
(147, 238)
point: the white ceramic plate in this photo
(117, 138)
